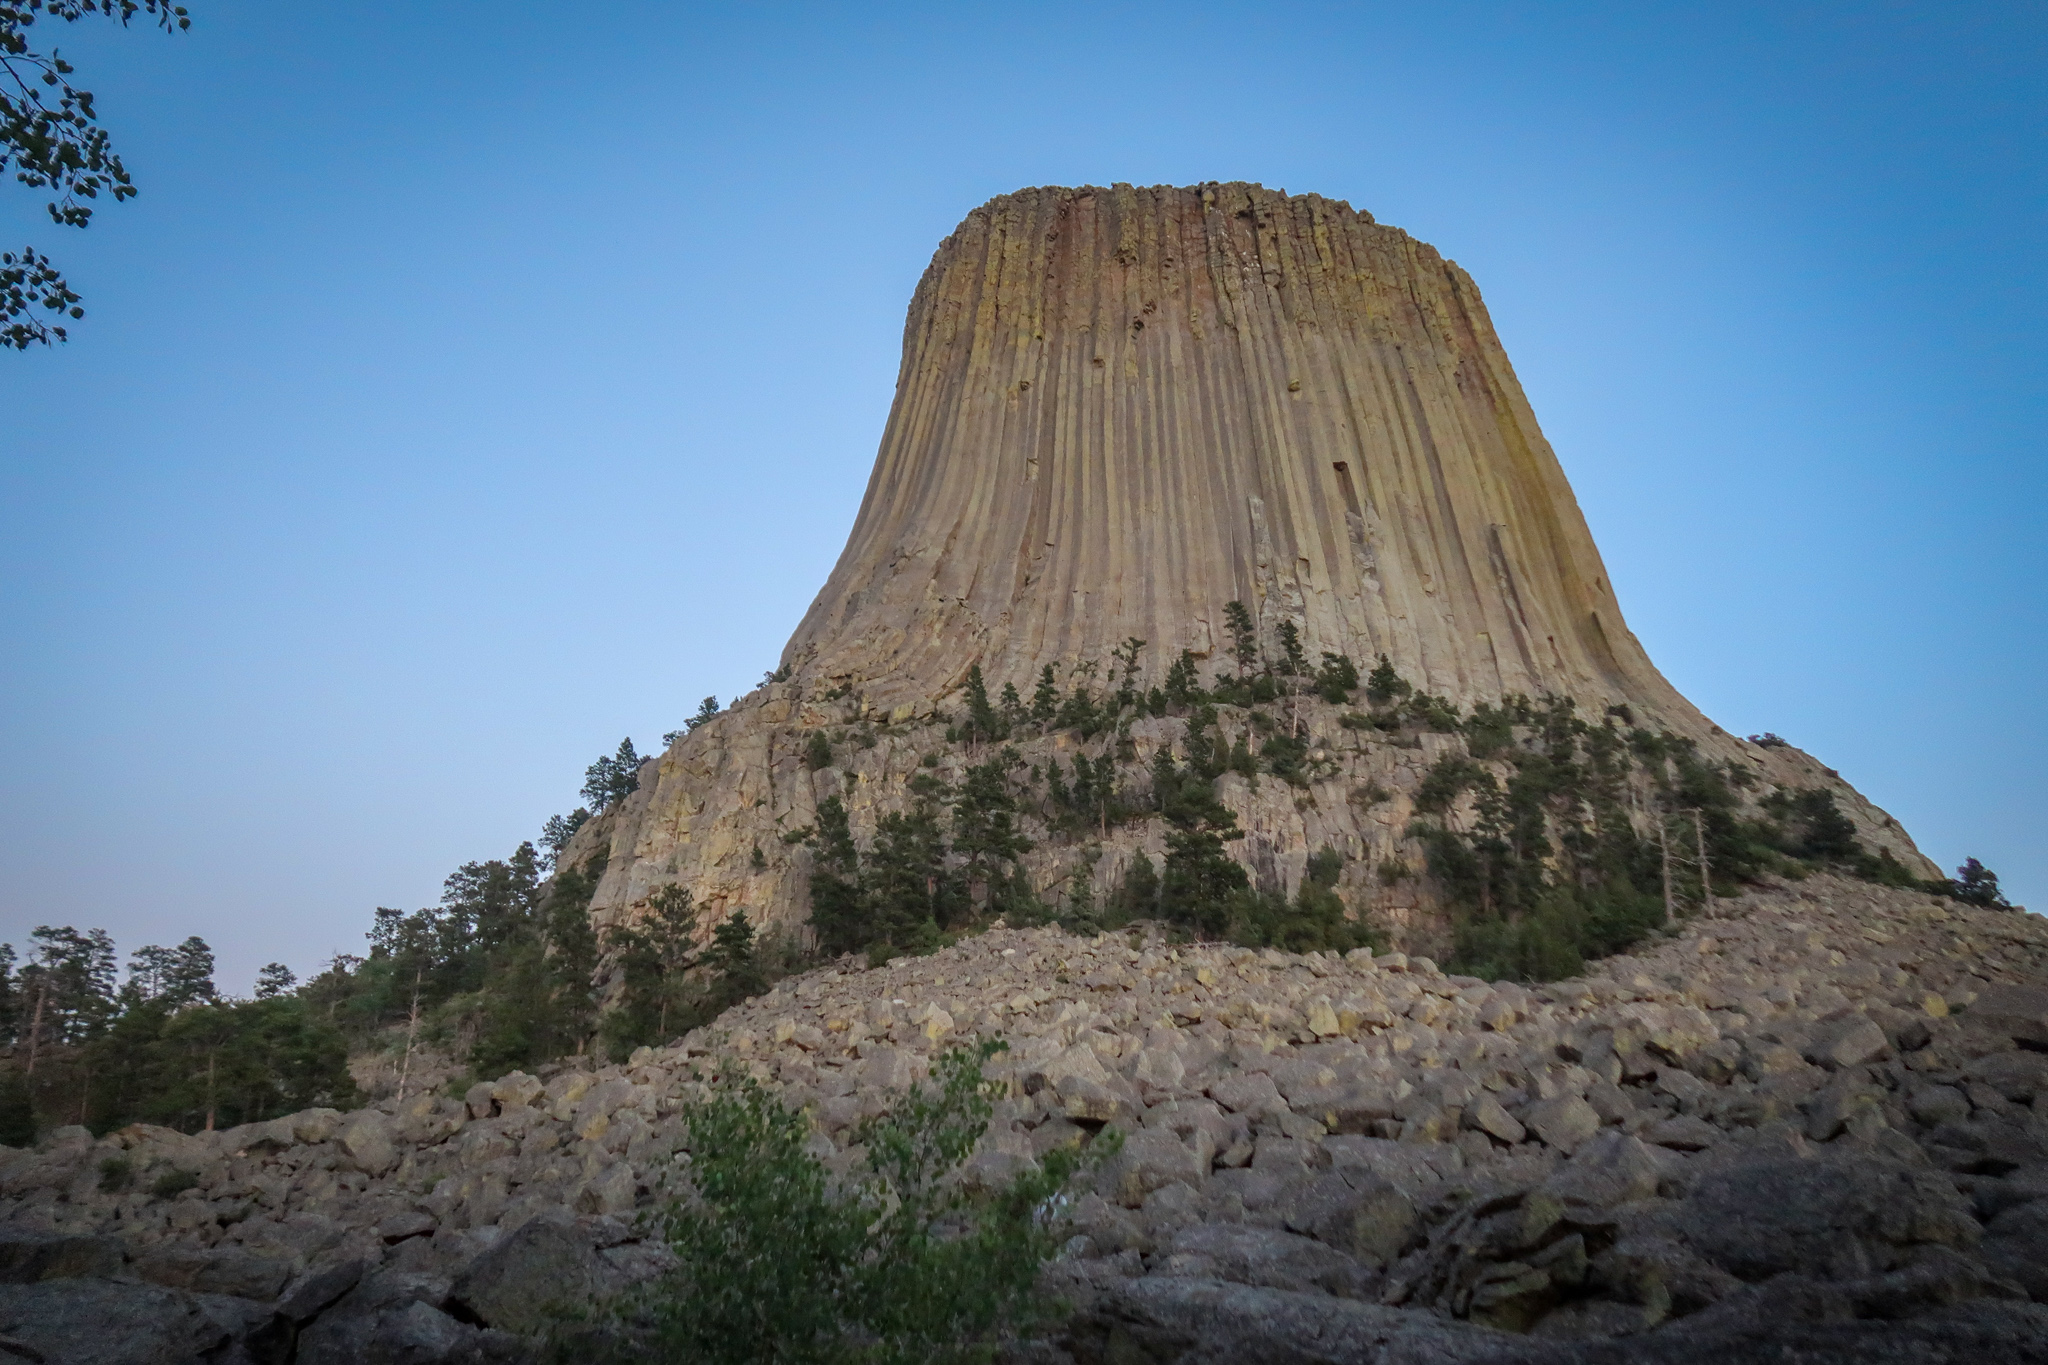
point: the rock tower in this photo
(1119, 410)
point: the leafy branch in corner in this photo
(51, 135)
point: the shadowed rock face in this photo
(1121, 408)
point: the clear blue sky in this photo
(474, 384)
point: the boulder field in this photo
(1812, 1125)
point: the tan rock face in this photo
(1121, 408)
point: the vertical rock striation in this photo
(1118, 410)
(1121, 408)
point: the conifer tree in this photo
(1079, 712)
(613, 777)
(1126, 655)
(1976, 884)
(732, 957)
(911, 893)
(1138, 896)
(1337, 679)
(1293, 662)
(274, 979)
(556, 834)
(982, 722)
(1045, 702)
(985, 833)
(571, 959)
(1384, 685)
(651, 954)
(838, 914)
(1244, 636)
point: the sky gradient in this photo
(469, 388)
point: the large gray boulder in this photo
(26, 1257)
(1835, 1219)
(1361, 1214)
(520, 1284)
(2016, 1247)
(1266, 1257)
(350, 1331)
(217, 1270)
(100, 1322)
(1189, 1321)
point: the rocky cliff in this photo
(1118, 411)
(1121, 408)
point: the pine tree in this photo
(1138, 896)
(1244, 636)
(706, 710)
(17, 1110)
(1337, 679)
(838, 910)
(1293, 662)
(982, 722)
(1181, 683)
(1384, 685)
(1094, 793)
(189, 980)
(569, 960)
(732, 957)
(1976, 884)
(1080, 713)
(10, 999)
(557, 832)
(985, 832)
(650, 953)
(1126, 655)
(69, 986)
(910, 893)
(614, 777)
(273, 980)
(1056, 785)
(1045, 702)
(1201, 881)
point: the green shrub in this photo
(1488, 731)
(899, 1261)
(1337, 679)
(1384, 685)
(173, 1183)
(1314, 921)
(1286, 758)
(117, 1173)
(1447, 780)
(1437, 714)
(818, 751)
(1976, 884)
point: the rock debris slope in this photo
(1816, 1120)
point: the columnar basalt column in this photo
(1121, 408)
